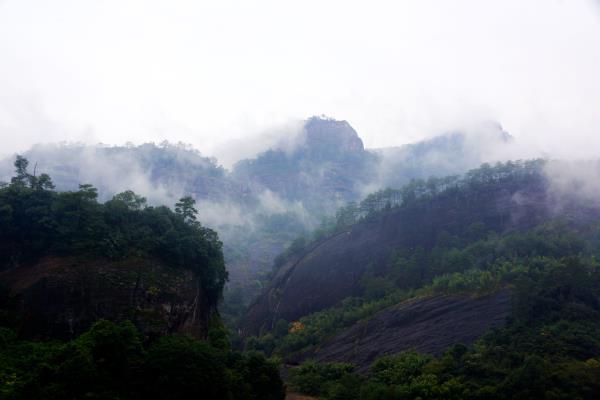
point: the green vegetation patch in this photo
(110, 361)
(36, 221)
(549, 349)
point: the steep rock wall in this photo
(61, 297)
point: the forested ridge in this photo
(362, 236)
(115, 359)
(37, 221)
(510, 174)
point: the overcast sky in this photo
(207, 72)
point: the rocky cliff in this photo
(61, 297)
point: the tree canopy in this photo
(36, 221)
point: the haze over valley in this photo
(271, 201)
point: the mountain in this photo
(320, 169)
(511, 197)
(160, 172)
(263, 203)
(325, 169)
(330, 270)
(482, 286)
(450, 153)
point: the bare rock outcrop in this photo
(427, 325)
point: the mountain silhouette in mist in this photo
(269, 199)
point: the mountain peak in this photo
(327, 136)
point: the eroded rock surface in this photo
(427, 325)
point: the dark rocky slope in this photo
(331, 270)
(427, 325)
(63, 297)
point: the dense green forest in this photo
(116, 360)
(112, 361)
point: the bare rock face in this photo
(427, 325)
(60, 298)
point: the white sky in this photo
(208, 72)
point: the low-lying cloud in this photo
(412, 70)
(575, 179)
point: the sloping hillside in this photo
(480, 287)
(428, 325)
(330, 270)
